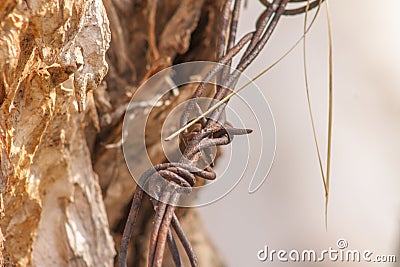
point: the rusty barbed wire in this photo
(181, 176)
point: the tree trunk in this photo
(65, 189)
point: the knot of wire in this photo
(211, 131)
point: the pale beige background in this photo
(287, 212)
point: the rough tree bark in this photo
(64, 187)
(51, 54)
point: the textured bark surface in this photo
(64, 186)
(52, 53)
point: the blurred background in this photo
(287, 212)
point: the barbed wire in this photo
(210, 132)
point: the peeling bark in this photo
(51, 205)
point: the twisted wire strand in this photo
(214, 135)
